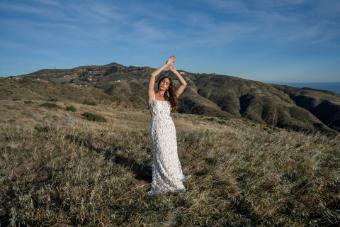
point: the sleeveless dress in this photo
(167, 175)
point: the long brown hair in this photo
(170, 93)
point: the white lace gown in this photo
(167, 175)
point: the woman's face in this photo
(164, 84)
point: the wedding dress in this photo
(167, 175)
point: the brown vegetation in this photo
(59, 168)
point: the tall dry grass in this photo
(242, 174)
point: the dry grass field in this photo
(59, 168)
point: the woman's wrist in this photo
(165, 67)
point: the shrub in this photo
(28, 102)
(49, 105)
(71, 108)
(89, 102)
(52, 100)
(94, 117)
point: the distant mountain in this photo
(325, 86)
(325, 105)
(206, 94)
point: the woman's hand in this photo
(171, 61)
(171, 67)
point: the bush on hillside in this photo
(89, 102)
(94, 117)
(49, 105)
(71, 108)
(28, 102)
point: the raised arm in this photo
(153, 76)
(183, 85)
(155, 73)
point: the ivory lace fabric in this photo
(167, 175)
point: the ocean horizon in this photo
(328, 86)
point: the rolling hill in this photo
(307, 110)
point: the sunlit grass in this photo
(98, 173)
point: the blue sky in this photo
(264, 40)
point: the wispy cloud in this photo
(102, 21)
(281, 21)
(56, 26)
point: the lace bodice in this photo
(160, 108)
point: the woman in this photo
(167, 175)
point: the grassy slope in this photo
(56, 167)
